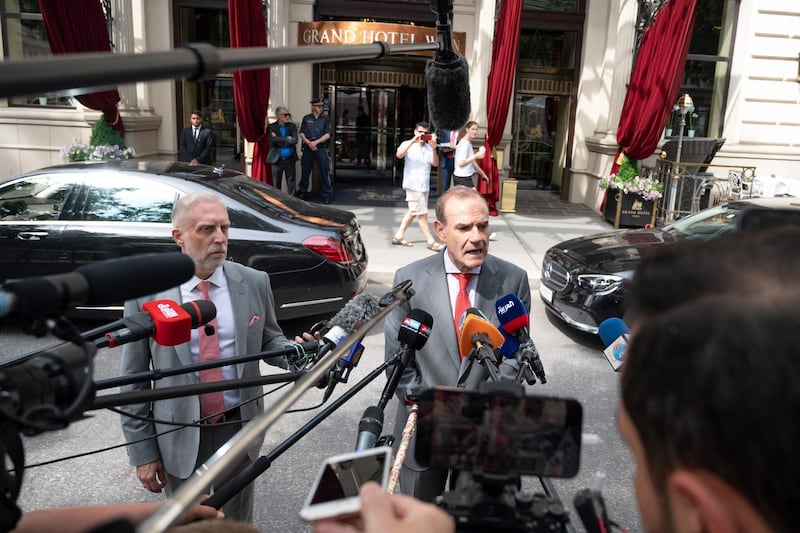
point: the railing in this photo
(690, 187)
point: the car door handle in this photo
(31, 235)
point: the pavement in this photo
(540, 220)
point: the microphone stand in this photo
(222, 495)
(228, 455)
(159, 373)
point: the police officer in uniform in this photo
(315, 132)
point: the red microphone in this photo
(167, 322)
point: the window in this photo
(131, 200)
(35, 198)
(24, 37)
(707, 71)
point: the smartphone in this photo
(499, 433)
(426, 137)
(334, 493)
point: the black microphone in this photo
(370, 427)
(167, 322)
(413, 334)
(447, 75)
(103, 283)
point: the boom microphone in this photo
(167, 322)
(614, 333)
(514, 322)
(103, 283)
(447, 75)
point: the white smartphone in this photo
(334, 493)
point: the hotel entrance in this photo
(370, 121)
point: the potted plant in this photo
(104, 144)
(632, 197)
(691, 123)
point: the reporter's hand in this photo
(385, 513)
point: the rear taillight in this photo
(329, 248)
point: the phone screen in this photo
(335, 491)
(499, 433)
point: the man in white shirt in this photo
(419, 154)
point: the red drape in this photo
(498, 94)
(251, 87)
(79, 26)
(656, 79)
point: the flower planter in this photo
(629, 210)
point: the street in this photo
(573, 362)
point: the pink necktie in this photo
(462, 299)
(211, 403)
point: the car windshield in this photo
(706, 224)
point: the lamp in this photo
(685, 105)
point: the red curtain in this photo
(79, 26)
(251, 87)
(498, 94)
(656, 79)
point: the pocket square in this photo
(253, 320)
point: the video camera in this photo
(491, 438)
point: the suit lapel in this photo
(489, 283)
(239, 305)
(435, 287)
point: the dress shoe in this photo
(327, 200)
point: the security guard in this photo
(315, 132)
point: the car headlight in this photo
(600, 283)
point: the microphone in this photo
(514, 321)
(360, 309)
(447, 75)
(341, 372)
(370, 427)
(103, 283)
(614, 333)
(413, 334)
(477, 339)
(167, 322)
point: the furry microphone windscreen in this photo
(448, 91)
(360, 309)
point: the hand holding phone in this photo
(334, 493)
(426, 137)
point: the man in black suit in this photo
(282, 152)
(197, 141)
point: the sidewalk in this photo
(541, 220)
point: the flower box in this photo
(629, 210)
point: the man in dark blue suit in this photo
(196, 141)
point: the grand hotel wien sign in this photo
(354, 32)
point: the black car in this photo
(56, 219)
(584, 280)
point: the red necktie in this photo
(462, 299)
(211, 403)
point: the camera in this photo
(491, 438)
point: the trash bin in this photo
(508, 195)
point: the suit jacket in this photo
(278, 141)
(199, 149)
(251, 296)
(438, 362)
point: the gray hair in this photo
(281, 109)
(182, 205)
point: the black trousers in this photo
(284, 166)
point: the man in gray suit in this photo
(462, 223)
(245, 324)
